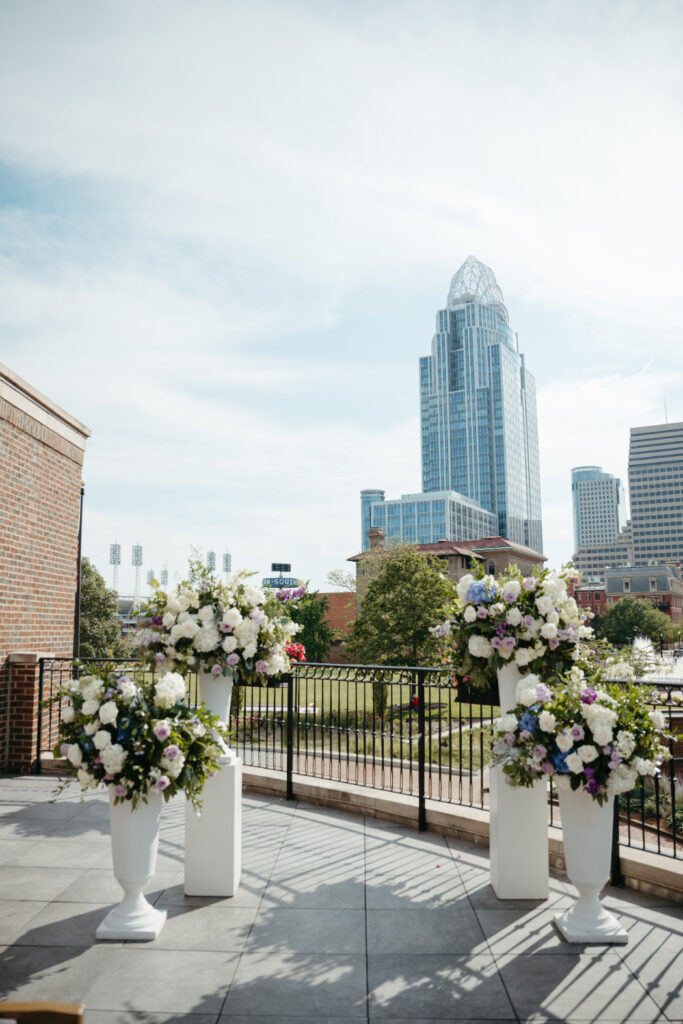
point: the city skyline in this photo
(225, 267)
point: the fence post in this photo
(39, 739)
(616, 876)
(290, 735)
(422, 811)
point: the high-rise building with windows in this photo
(598, 506)
(655, 482)
(478, 425)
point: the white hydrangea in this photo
(168, 620)
(544, 604)
(549, 631)
(524, 656)
(90, 707)
(547, 721)
(574, 763)
(127, 689)
(90, 728)
(470, 613)
(507, 723)
(602, 734)
(622, 779)
(173, 767)
(657, 719)
(276, 662)
(68, 714)
(207, 639)
(645, 767)
(229, 644)
(169, 690)
(479, 647)
(497, 609)
(587, 753)
(93, 690)
(113, 758)
(85, 779)
(253, 595)
(625, 743)
(232, 617)
(206, 614)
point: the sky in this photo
(226, 229)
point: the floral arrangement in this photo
(590, 734)
(135, 736)
(224, 628)
(521, 620)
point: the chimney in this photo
(376, 537)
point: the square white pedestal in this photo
(213, 841)
(518, 840)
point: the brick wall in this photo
(41, 459)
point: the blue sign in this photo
(276, 582)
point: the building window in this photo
(653, 584)
(627, 586)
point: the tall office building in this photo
(478, 408)
(655, 481)
(598, 505)
(478, 428)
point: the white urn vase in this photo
(518, 823)
(134, 842)
(587, 837)
(216, 693)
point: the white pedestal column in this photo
(518, 823)
(587, 838)
(213, 840)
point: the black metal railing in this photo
(401, 730)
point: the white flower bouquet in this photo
(530, 621)
(136, 736)
(231, 628)
(599, 736)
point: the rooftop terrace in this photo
(338, 919)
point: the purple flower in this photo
(157, 620)
(163, 782)
(528, 621)
(261, 666)
(525, 734)
(529, 583)
(233, 659)
(122, 679)
(548, 768)
(540, 751)
(496, 642)
(508, 643)
(576, 732)
(159, 656)
(588, 696)
(482, 613)
(120, 790)
(553, 644)
(171, 751)
(216, 670)
(63, 749)
(509, 738)
(257, 615)
(225, 628)
(542, 692)
(204, 587)
(162, 730)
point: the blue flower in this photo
(528, 722)
(560, 762)
(477, 593)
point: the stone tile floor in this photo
(338, 919)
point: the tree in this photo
(630, 617)
(403, 601)
(342, 580)
(309, 612)
(100, 636)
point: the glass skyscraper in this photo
(479, 433)
(478, 408)
(655, 483)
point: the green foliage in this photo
(309, 612)
(100, 636)
(342, 580)
(632, 616)
(402, 603)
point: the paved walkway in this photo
(338, 919)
